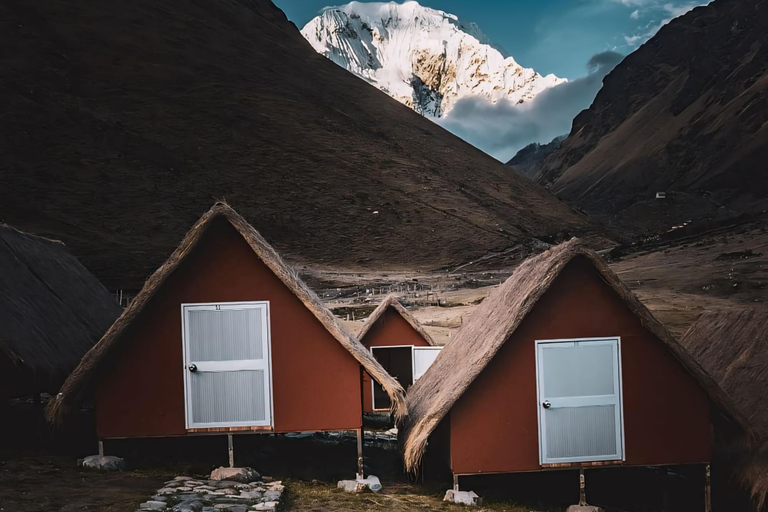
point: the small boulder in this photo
(462, 497)
(105, 463)
(240, 475)
(583, 508)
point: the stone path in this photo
(185, 494)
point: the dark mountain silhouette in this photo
(122, 122)
(685, 114)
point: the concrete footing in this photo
(463, 497)
(583, 508)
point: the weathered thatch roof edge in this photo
(727, 342)
(419, 424)
(390, 301)
(79, 381)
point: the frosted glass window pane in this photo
(581, 431)
(422, 360)
(225, 335)
(581, 370)
(225, 397)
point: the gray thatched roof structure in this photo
(391, 302)
(494, 321)
(52, 311)
(732, 345)
(84, 376)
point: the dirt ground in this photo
(54, 483)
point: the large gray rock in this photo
(241, 475)
(105, 463)
(462, 497)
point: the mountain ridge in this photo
(685, 114)
(122, 123)
(425, 58)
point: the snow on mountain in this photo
(425, 58)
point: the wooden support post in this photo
(455, 482)
(582, 488)
(708, 490)
(360, 434)
(101, 449)
(231, 451)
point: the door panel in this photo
(227, 364)
(398, 362)
(579, 394)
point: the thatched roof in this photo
(732, 345)
(494, 321)
(391, 302)
(52, 311)
(82, 379)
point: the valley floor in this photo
(676, 280)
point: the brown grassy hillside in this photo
(686, 113)
(120, 122)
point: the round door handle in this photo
(193, 368)
(546, 404)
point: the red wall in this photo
(390, 329)
(316, 382)
(494, 426)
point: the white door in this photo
(579, 391)
(423, 357)
(227, 374)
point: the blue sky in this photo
(551, 36)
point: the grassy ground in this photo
(317, 497)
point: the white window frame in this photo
(618, 383)
(373, 381)
(228, 365)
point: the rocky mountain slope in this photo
(527, 160)
(122, 122)
(685, 114)
(425, 58)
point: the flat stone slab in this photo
(240, 475)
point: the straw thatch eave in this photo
(494, 321)
(732, 345)
(390, 301)
(82, 379)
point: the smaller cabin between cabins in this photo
(400, 344)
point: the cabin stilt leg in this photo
(455, 482)
(231, 451)
(708, 490)
(360, 475)
(582, 489)
(101, 449)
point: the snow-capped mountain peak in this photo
(425, 58)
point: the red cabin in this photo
(224, 337)
(399, 342)
(562, 367)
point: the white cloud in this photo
(503, 128)
(668, 11)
